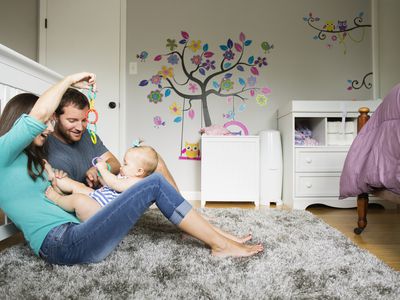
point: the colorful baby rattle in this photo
(92, 116)
(94, 162)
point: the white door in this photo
(84, 35)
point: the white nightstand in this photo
(311, 174)
(230, 169)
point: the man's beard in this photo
(65, 136)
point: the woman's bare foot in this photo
(52, 194)
(236, 249)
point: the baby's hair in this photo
(148, 156)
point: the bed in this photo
(20, 74)
(372, 165)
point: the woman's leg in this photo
(94, 239)
(197, 226)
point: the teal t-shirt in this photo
(21, 198)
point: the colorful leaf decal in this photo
(242, 37)
(202, 71)
(240, 68)
(228, 75)
(182, 42)
(242, 81)
(205, 47)
(158, 58)
(252, 93)
(247, 43)
(143, 83)
(191, 114)
(208, 54)
(227, 65)
(223, 47)
(250, 60)
(167, 92)
(254, 71)
(229, 43)
(238, 47)
(266, 90)
(178, 119)
(185, 35)
(215, 85)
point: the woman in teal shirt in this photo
(56, 235)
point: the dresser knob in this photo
(308, 160)
(308, 185)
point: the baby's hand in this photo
(101, 165)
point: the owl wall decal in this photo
(191, 150)
(342, 25)
(329, 26)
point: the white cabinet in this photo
(230, 169)
(316, 136)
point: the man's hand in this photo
(92, 179)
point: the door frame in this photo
(122, 66)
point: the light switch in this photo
(133, 68)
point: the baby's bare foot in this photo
(52, 194)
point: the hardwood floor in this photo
(381, 237)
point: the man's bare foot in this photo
(236, 249)
(52, 194)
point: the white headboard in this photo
(20, 74)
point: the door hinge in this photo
(45, 23)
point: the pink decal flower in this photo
(196, 60)
(156, 79)
(193, 87)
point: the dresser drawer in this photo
(321, 184)
(320, 160)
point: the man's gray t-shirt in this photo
(75, 158)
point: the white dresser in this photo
(230, 169)
(311, 173)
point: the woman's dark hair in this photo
(74, 97)
(17, 106)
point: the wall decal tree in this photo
(232, 75)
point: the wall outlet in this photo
(133, 68)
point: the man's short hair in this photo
(74, 97)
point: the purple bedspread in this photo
(373, 161)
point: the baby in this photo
(139, 162)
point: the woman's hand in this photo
(83, 80)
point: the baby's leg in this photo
(83, 206)
(68, 185)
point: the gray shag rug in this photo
(304, 258)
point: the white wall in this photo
(19, 26)
(299, 67)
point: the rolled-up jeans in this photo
(94, 239)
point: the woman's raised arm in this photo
(48, 102)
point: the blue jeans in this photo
(94, 239)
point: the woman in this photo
(58, 236)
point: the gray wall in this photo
(19, 26)
(389, 44)
(299, 66)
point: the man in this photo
(71, 148)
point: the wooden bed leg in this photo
(362, 208)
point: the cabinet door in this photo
(230, 169)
